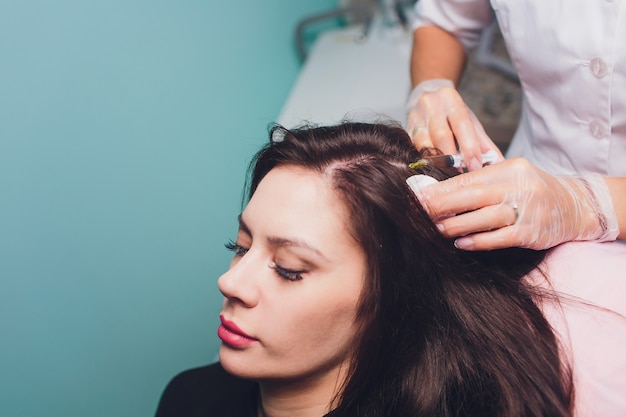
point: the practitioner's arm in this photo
(437, 115)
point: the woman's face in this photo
(292, 290)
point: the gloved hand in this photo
(513, 203)
(438, 117)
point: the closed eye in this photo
(288, 274)
(238, 250)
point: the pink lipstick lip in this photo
(232, 336)
(233, 328)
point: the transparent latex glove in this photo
(438, 117)
(513, 203)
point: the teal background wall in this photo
(125, 130)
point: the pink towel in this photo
(590, 321)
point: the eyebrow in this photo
(281, 241)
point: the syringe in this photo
(456, 161)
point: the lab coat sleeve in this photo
(465, 19)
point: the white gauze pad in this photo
(417, 182)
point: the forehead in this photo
(295, 201)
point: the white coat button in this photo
(598, 67)
(596, 129)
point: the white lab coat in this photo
(570, 56)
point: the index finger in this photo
(460, 194)
(477, 143)
(466, 135)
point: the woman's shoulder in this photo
(590, 321)
(208, 391)
(595, 272)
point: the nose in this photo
(239, 284)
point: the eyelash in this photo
(287, 274)
(236, 249)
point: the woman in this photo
(344, 299)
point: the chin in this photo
(236, 363)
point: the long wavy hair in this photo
(444, 332)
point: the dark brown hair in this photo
(445, 332)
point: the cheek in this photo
(322, 312)
(328, 320)
(335, 331)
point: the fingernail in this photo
(441, 228)
(474, 164)
(463, 243)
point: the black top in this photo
(209, 391)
